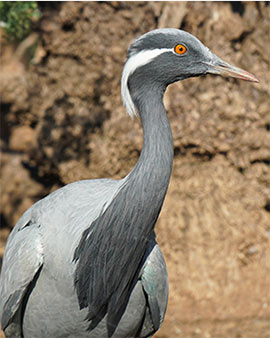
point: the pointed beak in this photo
(220, 67)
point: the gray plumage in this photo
(83, 262)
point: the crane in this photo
(83, 261)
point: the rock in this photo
(21, 138)
(18, 190)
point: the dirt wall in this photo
(62, 120)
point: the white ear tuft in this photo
(134, 62)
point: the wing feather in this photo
(155, 284)
(22, 260)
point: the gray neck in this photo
(119, 237)
(153, 170)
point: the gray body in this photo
(52, 308)
(83, 262)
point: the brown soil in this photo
(62, 120)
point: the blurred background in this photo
(62, 120)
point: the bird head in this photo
(163, 56)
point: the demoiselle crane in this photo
(83, 261)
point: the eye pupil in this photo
(180, 49)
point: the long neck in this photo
(119, 237)
(151, 175)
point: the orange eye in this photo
(180, 49)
